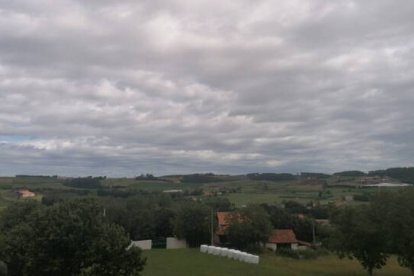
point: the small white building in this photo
(174, 243)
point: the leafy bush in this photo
(322, 251)
(287, 252)
(309, 254)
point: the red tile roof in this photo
(25, 193)
(283, 236)
(223, 217)
(223, 222)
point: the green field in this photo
(296, 192)
(240, 190)
(161, 262)
(240, 199)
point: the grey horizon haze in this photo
(120, 88)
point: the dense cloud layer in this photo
(129, 87)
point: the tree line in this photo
(88, 236)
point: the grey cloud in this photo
(120, 88)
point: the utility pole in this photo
(212, 227)
(313, 232)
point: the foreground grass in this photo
(191, 262)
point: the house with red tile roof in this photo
(223, 222)
(25, 193)
(282, 238)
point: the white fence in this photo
(230, 253)
(170, 243)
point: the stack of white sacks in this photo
(229, 253)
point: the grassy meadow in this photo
(178, 262)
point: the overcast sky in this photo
(120, 88)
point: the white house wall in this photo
(144, 244)
(174, 243)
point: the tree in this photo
(15, 233)
(3, 269)
(219, 204)
(399, 221)
(18, 213)
(249, 229)
(283, 219)
(192, 222)
(295, 207)
(68, 238)
(357, 234)
(135, 215)
(163, 222)
(271, 176)
(143, 217)
(303, 228)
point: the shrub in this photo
(286, 252)
(298, 254)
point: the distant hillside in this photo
(271, 176)
(405, 175)
(349, 173)
(200, 178)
